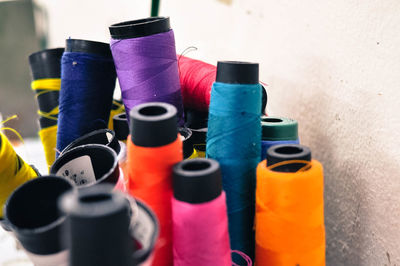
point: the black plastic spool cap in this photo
(90, 47)
(99, 136)
(103, 159)
(139, 28)
(97, 228)
(187, 142)
(153, 124)
(121, 127)
(196, 181)
(287, 152)
(197, 121)
(32, 214)
(233, 72)
(46, 64)
(264, 99)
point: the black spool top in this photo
(153, 124)
(234, 72)
(32, 214)
(46, 63)
(101, 136)
(98, 220)
(121, 127)
(264, 99)
(197, 180)
(103, 162)
(288, 152)
(90, 47)
(139, 28)
(187, 142)
(196, 119)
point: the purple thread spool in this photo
(145, 59)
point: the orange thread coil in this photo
(290, 216)
(150, 179)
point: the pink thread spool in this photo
(199, 216)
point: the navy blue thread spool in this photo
(234, 140)
(32, 214)
(277, 130)
(87, 85)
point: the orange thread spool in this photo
(152, 152)
(290, 214)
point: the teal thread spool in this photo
(277, 130)
(234, 140)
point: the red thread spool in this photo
(153, 148)
(196, 78)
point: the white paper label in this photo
(79, 170)
(109, 136)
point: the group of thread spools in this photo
(186, 170)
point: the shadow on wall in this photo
(336, 126)
(17, 41)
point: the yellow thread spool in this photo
(48, 135)
(13, 171)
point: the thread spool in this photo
(145, 58)
(200, 222)
(121, 133)
(87, 86)
(46, 73)
(117, 108)
(88, 165)
(153, 148)
(121, 128)
(187, 143)
(234, 140)
(277, 130)
(197, 122)
(14, 171)
(196, 79)
(102, 136)
(33, 216)
(289, 208)
(97, 228)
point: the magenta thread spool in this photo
(33, 216)
(199, 214)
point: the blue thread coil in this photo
(87, 88)
(234, 140)
(266, 144)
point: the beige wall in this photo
(332, 65)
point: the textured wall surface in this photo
(332, 65)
